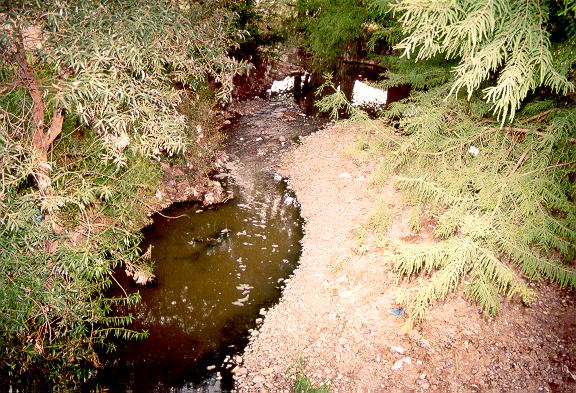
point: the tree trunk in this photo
(41, 139)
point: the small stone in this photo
(258, 379)
(267, 371)
(210, 368)
(239, 370)
(399, 363)
(397, 349)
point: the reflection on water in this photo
(350, 79)
(216, 269)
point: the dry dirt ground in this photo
(333, 317)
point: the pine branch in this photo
(517, 130)
(413, 259)
(558, 273)
(430, 191)
(438, 287)
(492, 37)
(481, 290)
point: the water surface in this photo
(216, 269)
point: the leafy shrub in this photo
(95, 95)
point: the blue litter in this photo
(38, 217)
(396, 311)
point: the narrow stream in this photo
(218, 268)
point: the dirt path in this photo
(334, 320)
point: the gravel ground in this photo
(333, 319)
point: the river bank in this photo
(334, 322)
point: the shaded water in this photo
(216, 269)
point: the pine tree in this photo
(502, 40)
(495, 167)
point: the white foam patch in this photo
(282, 86)
(366, 95)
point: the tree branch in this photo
(55, 126)
(33, 86)
(528, 130)
(541, 115)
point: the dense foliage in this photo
(331, 30)
(495, 168)
(95, 95)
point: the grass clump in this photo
(380, 219)
(304, 385)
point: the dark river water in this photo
(216, 269)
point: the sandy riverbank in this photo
(333, 317)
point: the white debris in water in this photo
(244, 287)
(362, 95)
(240, 302)
(366, 95)
(282, 86)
